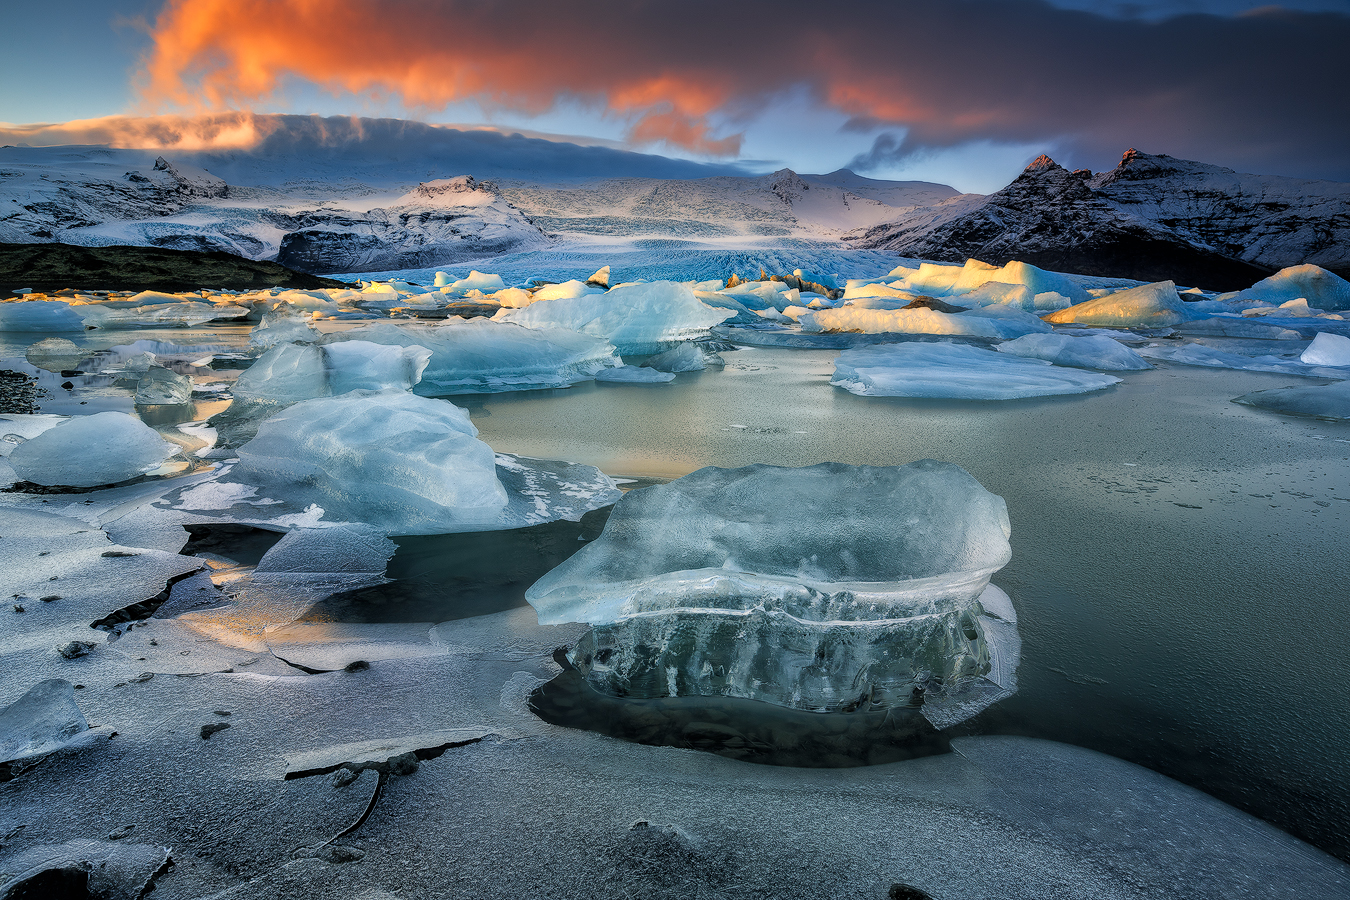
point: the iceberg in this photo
(1314, 285)
(390, 459)
(273, 330)
(921, 320)
(684, 357)
(56, 355)
(1331, 401)
(824, 588)
(1327, 349)
(567, 290)
(1149, 305)
(956, 371)
(39, 315)
(357, 365)
(163, 386)
(1091, 352)
(479, 356)
(637, 319)
(289, 373)
(87, 451)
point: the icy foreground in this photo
(825, 588)
(956, 371)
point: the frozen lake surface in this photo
(1178, 569)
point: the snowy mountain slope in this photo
(101, 197)
(781, 204)
(1152, 217)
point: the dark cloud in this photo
(1262, 92)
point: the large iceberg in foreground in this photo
(638, 319)
(956, 371)
(386, 458)
(1091, 352)
(1149, 304)
(87, 451)
(479, 355)
(824, 588)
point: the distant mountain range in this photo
(1152, 217)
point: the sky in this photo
(963, 92)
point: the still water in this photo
(1179, 561)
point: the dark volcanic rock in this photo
(51, 267)
(1152, 218)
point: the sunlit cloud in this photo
(1263, 90)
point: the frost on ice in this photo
(956, 371)
(638, 319)
(87, 451)
(824, 588)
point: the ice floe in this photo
(1331, 401)
(86, 451)
(956, 371)
(476, 356)
(1087, 352)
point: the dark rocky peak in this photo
(1044, 179)
(190, 180)
(786, 184)
(1137, 166)
(447, 191)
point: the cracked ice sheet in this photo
(1006, 817)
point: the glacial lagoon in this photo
(1177, 571)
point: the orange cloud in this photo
(949, 72)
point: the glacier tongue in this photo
(825, 588)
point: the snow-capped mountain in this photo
(1152, 217)
(91, 196)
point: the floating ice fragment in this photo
(403, 463)
(824, 588)
(1091, 352)
(636, 318)
(998, 325)
(1327, 350)
(87, 451)
(39, 315)
(684, 357)
(1330, 401)
(956, 371)
(484, 356)
(163, 386)
(1189, 354)
(280, 330)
